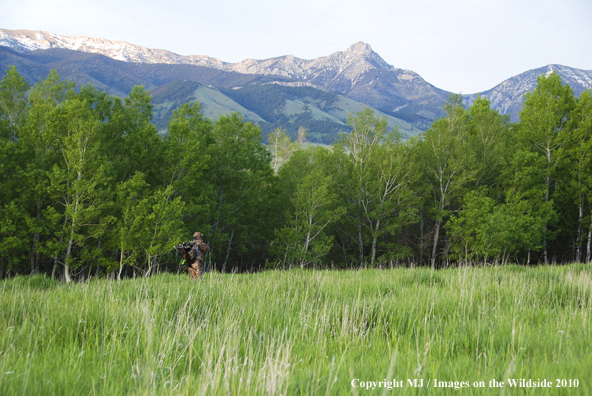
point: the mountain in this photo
(22, 41)
(357, 74)
(360, 74)
(507, 96)
(270, 101)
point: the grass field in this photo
(299, 332)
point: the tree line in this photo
(89, 188)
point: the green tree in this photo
(574, 163)
(489, 142)
(13, 104)
(311, 192)
(78, 183)
(543, 121)
(390, 202)
(15, 220)
(160, 225)
(140, 145)
(241, 202)
(485, 229)
(480, 228)
(149, 223)
(446, 160)
(186, 159)
(42, 142)
(374, 172)
(31, 156)
(129, 213)
(14, 229)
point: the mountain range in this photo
(283, 92)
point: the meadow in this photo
(299, 332)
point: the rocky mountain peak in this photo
(359, 48)
(362, 52)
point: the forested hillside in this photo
(175, 85)
(89, 187)
(292, 108)
(214, 103)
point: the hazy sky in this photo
(459, 45)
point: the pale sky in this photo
(463, 46)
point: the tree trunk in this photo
(374, 239)
(34, 254)
(55, 265)
(545, 246)
(588, 252)
(72, 229)
(579, 240)
(120, 265)
(68, 253)
(208, 268)
(147, 273)
(344, 254)
(420, 237)
(437, 229)
(361, 244)
(228, 251)
(305, 250)
(547, 200)
(69, 250)
(447, 250)
(436, 236)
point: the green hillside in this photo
(214, 103)
(271, 106)
(346, 106)
(258, 98)
(323, 113)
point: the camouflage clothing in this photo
(194, 255)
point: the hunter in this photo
(193, 253)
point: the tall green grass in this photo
(297, 332)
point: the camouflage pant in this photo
(194, 266)
(196, 269)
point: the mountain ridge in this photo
(343, 71)
(507, 95)
(358, 73)
(216, 90)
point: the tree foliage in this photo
(89, 187)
